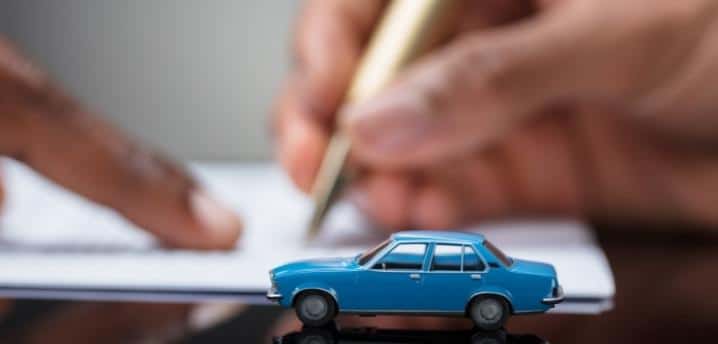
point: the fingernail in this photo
(222, 223)
(388, 123)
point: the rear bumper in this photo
(558, 297)
(274, 295)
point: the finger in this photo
(385, 198)
(491, 13)
(330, 38)
(469, 94)
(48, 131)
(512, 179)
(436, 206)
(301, 141)
(157, 194)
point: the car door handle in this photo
(475, 276)
(414, 276)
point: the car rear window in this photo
(446, 258)
(472, 262)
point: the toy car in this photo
(420, 273)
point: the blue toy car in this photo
(421, 273)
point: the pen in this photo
(407, 29)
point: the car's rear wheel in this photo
(315, 308)
(489, 312)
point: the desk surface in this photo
(665, 294)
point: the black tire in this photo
(489, 312)
(315, 308)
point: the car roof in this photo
(449, 236)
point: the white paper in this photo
(57, 245)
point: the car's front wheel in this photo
(315, 308)
(489, 312)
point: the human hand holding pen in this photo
(52, 133)
(575, 107)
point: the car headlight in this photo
(556, 288)
(271, 279)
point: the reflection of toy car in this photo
(419, 272)
(332, 335)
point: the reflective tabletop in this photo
(666, 293)
(333, 335)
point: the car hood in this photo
(533, 268)
(323, 264)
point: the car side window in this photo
(472, 262)
(446, 258)
(403, 257)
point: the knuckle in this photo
(668, 20)
(678, 14)
(655, 46)
(483, 69)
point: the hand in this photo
(49, 131)
(572, 107)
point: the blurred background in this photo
(195, 78)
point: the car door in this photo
(455, 272)
(394, 282)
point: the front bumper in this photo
(274, 295)
(558, 297)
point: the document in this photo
(56, 245)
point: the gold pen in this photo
(407, 29)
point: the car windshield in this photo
(369, 254)
(500, 255)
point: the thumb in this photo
(470, 93)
